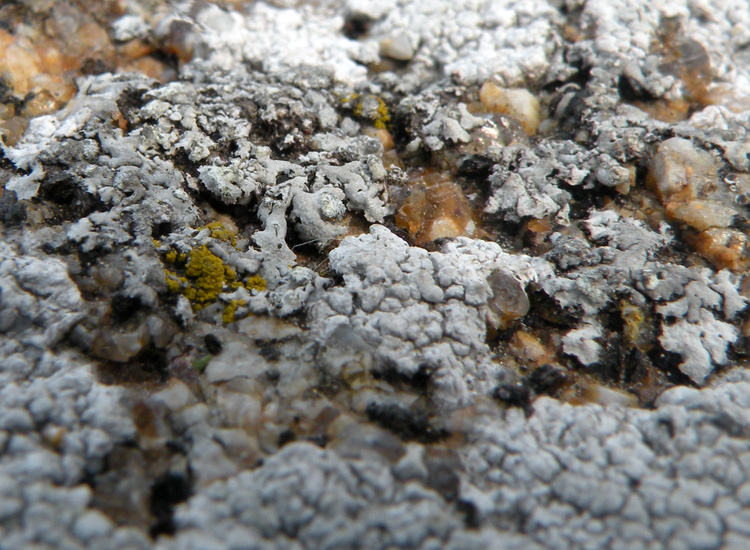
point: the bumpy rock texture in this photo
(376, 274)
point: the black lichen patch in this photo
(515, 395)
(161, 230)
(67, 199)
(635, 366)
(356, 26)
(166, 492)
(469, 512)
(477, 168)
(270, 351)
(148, 368)
(12, 211)
(58, 187)
(583, 201)
(181, 160)
(631, 90)
(287, 133)
(130, 102)
(569, 107)
(640, 375)
(545, 310)
(124, 307)
(212, 343)
(409, 425)
(547, 379)
(285, 437)
(418, 381)
(669, 363)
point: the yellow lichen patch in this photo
(633, 318)
(381, 122)
(231, 309)
(255, 282)
(353, 103)
(220, 232)
(370, 107)
(207, 271)
(173, 281)
(206, 277)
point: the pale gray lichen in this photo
(627, 265)
(580, 463)
(690, 326)
(410, 309)
(470, 41)
(49, 396)
(316, 498)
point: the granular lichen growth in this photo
(208, 274)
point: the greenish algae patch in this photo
(201, 364)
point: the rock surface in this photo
(375, 274)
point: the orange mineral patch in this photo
(725, 248)
(517, 103)
(687, 182)
(435, 208)
(688, 61)
(45, 47)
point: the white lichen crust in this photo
(409, 309)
